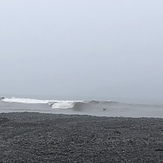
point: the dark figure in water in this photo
(1, 98)
(104, 109)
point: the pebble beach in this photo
(46, 138)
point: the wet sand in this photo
(35, 137)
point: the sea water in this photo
(80, 107)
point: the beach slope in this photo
(34, 137)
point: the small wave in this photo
(80, 106)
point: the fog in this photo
(89, 49)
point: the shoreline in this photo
(40, 137)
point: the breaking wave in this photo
(94, 107)
(62, 104)
(76, 105)
(25, 100)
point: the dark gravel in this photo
(38, 138)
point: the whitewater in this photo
(80, 107)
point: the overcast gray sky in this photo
(82, 49)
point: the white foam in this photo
(25, 100)
(63, 104)
(55, 104)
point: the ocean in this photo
(80, 107)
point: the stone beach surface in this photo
(46, 138)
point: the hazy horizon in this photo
(106, 50)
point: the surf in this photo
(81, 107)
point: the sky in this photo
(89, 49)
